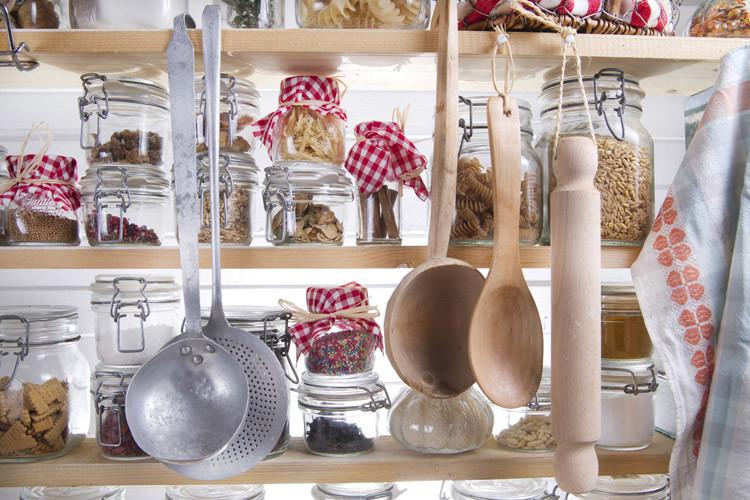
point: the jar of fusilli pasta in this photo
(625, 174)
(391, 14)
(472, 220)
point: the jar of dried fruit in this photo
(356, 491)
(124, 205)
(124, 121)
(625, 174)
(473, 219)
(624, 332)
(135, 315)
(44, 383)
(721, 18)
(501, 489)
(72, 493)
(390, 14)
(305, 203)
(340, 413)
(239, 108)
(216, 492)
(109, 385)
(628, 487)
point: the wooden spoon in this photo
(427, 317)
(505, 340)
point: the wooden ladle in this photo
(505, 339)
(427, 317)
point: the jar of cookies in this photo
(44, 383)
(473, 222)
(625, 174)
(388, 14)
(305, 203)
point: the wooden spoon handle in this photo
(445, 149)
(576, 314)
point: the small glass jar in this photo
(73, 493)
(355, 491)
(380, 216)
(625, 173)
(271, 326)
(395, 14)
(255, 13)
(342, 352)
(216, 492)
(124, 120)
(501, 489)
(473, 222)
(134, 14)
(632, 487)
(44, 383)
(239, 107)
(721, 18)
(528, 428)
(340, 413)
(628, 389)
(624, 332)
(124, 205)
(305, 203)
(109, 385)
(304, 135)
(135, 316)
(437, 425)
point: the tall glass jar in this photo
(73, 493)
(44, 383)
(380, 216)
(501, 489)
(625, 174)
(721, 18)
(124, 205)
(394, 14)
(124, 120)
(632, 487)
(628, 389)
(340, 413)
(216, 492)
(135, 315)
(473, 218)
(109, 385)
(355, 491)
(255, 13)
(305, 203)
(624, 332)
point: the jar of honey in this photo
(624, 333)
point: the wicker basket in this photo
(517, 22)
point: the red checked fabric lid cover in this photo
(37, 185)
(317, 93)
(383, 153)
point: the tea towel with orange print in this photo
(692, 279)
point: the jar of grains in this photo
(528, 428)
(390, 14)
(632, 487)
(340, 413)
(440, 425)
(721, 18)
(625, 173)
(473, 220)
(135, 316)
(216, 492)
(124, 121)
(239, 107)
(109, 385)
(44, 383)
(124, 205)
(628, 389)
(73, 493)
(500, 489)
(624, 333)
(356, 491)
(305, 203)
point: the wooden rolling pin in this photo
(575, 239)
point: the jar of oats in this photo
(625, 174)
(473, 219)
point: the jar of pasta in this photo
(239, 108)
(305, 203)
(624, 332)
(473, 219)
(625, 174)
(44, 383)
(309, 124)
(124, 121)
(628, 487)
(391, 14)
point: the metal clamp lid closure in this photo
(117, 399)
(88, 98)
(228, 97)
(225, 180)
(633, 385)
(285, 195)
(23, 347)
(22, 66)
(142, 311)
(100, 197)
(618, 96)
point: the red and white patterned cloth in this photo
(383, 153)
(330, 300)
(472, 11)
(38, 184)
(317, 93)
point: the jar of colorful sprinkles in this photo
(337, 334)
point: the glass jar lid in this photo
(619, 88)
(238, 94)
(72, 493)
(241, 167)
(215, 492)
(646, 487)
(46, 324)
(302, 177)
(108, 288)
(112, 380)
(360, 392)
(257, 320)
(137, 180)
(355, 491)
(506, 489)
(101, 90)
(472, 114)
(628, 376)
(620, 297)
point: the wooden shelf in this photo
(370, 59)
(389, 462)
(276, 258)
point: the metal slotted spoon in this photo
(267, 409)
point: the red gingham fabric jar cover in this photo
(383, 153)
(329, 300)
(64, 197)
(318, 93)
